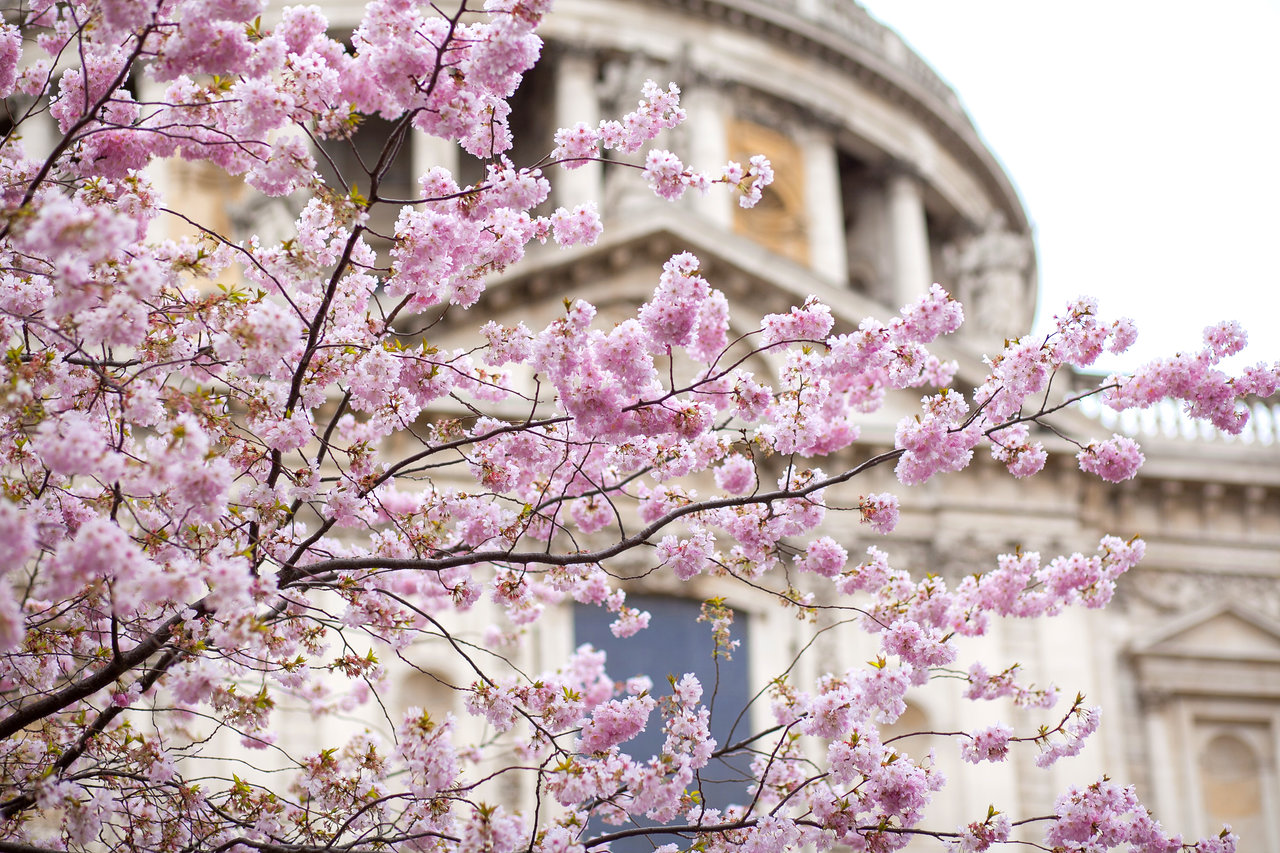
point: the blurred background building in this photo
(884, 186)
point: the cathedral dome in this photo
(884, 186)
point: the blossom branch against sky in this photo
(1142, 136)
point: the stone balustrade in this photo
(1168, 420)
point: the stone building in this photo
(883, 186)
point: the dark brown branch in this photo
(86, 687)
(293, 574)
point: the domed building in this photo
(883, 187)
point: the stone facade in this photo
(884, 187)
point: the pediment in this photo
(1225, 631)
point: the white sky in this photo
(1144, 137)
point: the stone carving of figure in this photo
(992, 272)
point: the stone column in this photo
(428, 151)
(159, 171)
(1159, 761)
(577, 101)
(707, 139)
(39, 132)
(824, 212)
(909, 237)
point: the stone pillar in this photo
(909, 237)
(39, 132)
(576, 101)
(159, 171)
(428, 151)
(824, 212)
(707, 140)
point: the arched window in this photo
(913, 720)
(1231, 791)
(427, 690)
(778, 221)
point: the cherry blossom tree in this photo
(240, 476)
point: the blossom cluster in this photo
(241, 477)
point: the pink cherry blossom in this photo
(615, 721)
(1114, 460)
(316, 466)
(10, 50)
(880, 511)
(989, 744)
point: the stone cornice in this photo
(748, 273)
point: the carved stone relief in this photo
(992, 271)
(1161, 593)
